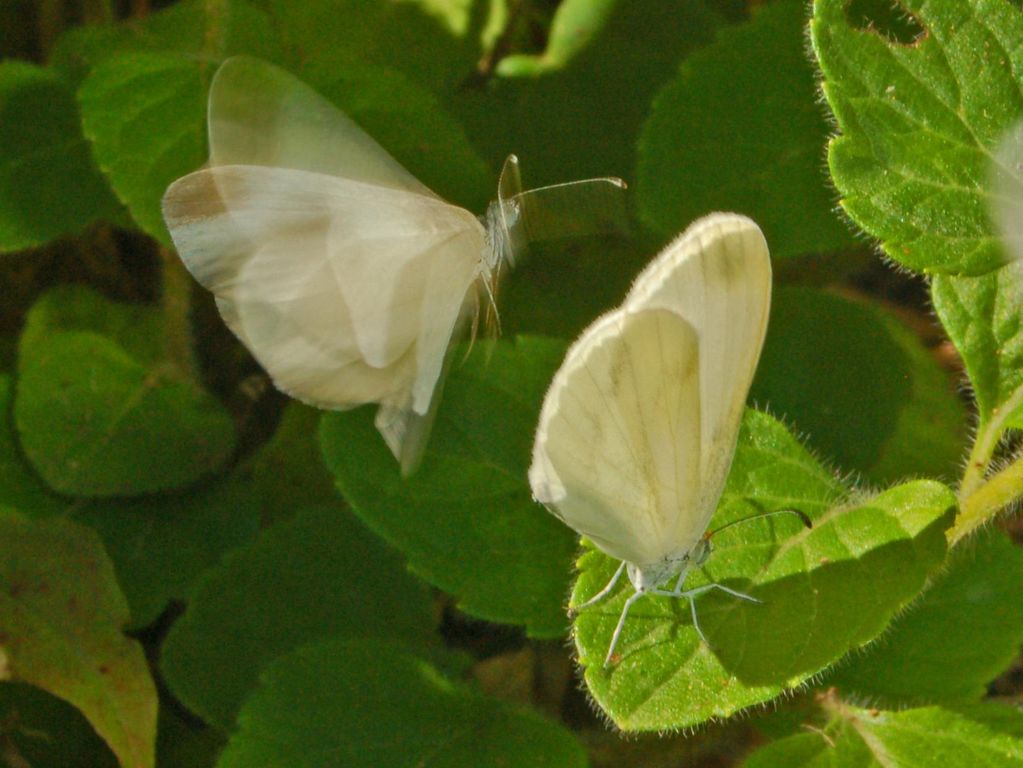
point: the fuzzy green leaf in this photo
(100, 412)
(49, 184)
(466, 520)
(824, 591)
(990, 735)
(919, 123)
(319, 575)
(909, 421)
(961, 633)
(375, 704)
(61, 621)
(982, 317)
(738, 130)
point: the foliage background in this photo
(196, 572)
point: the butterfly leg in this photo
(689, 594)
(602, 593)
(680, 581)
(618, 629)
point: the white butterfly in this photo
(344, 276)
(1007, 190)
(639, 426)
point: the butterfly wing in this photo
(574, 209)
(717, 276)
(343, 274)
(618, 441)
(260, 114)
(345, 292)
(1007, 191)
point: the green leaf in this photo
(20, 487)
(734, 133)
(982, 317)
(909, 421)
(186, 744)
(410, 123)
(824, 591)
(919, 123)
(964, 631)
(816, 750)
(61, 620)
(374, 704)
(398, 36)
(194, 29)
(575, 24)
(145, 116)
(562, 285)
(988, 735)
(48, 732)
(288, 471)
(466, 520)
(49, 184)
(100, 412)
(143, 98)
(319, 575)
(595, 105)
(160, 545)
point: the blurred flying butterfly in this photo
(344, 276)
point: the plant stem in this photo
(214, 39)
(987, 500)
(988, 435)
(176, 305)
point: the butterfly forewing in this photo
(262, 115)
(617, 452)
(716, 275)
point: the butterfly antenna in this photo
(764, 513)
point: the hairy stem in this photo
(984, 445)
(987, 500)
